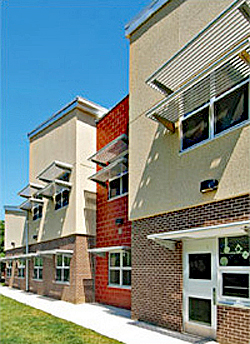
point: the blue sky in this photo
(51, 51)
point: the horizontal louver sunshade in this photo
(54, 187)
(29, 190)
(55, 171)
(30, 203)
(112, 170)
(205, 67)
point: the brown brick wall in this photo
(110, 127)
(157, 272)
(81, 287)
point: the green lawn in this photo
(21, 324)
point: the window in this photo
(118, 186)
(62, 268)
(62, 199)
(9, 268)
(21, 268)
(120, 269)
(234, 262)
(222, 113)
(38, 268)
(200, 310)
(37, 212)
(200, 266)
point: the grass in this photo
(21, 324)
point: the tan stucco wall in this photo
(14, 229)
(161, 179)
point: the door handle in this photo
(214, 296)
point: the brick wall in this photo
(157, 272)
(110, 127)
(80, 289)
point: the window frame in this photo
(9, 266)
(211, 118)
(120, 268)
(61, 199)
(37, 268)
(62, 268)
(120, 176)
(37, 212)
(21, 265)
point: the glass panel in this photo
(66, 261)
(40, 211)
(58, 201)
(126, 258)
(235, 285)
(195, 128)
(65, 197)
(35, 274)
(125, 183)
(200, 310)
(66, 275)
(40, 271)
(58, 274)
(114, 277)
(234, 251)
(114, 187)
(114, 259)
(40, 261)
(231, 109)
(200, 266)
(126, 277)
(59, 260)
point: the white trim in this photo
(109, 249)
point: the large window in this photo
(38, 268)
(219, 115)
(21, 268)
(234, 262)
(120, 269)
(37, 212)
(118, 186)
(62, 268)
(62, 199)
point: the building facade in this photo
(113, 230)
(49, 234)
(189, 167)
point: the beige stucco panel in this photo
(14, 230)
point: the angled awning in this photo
(54, 188)
(114, 169)
(30, 203)
(111, 151)
(54, 252)
(29, 190)
(56, 170)
(211, 63)
(18, 256)
(101, 251)
(168, 239)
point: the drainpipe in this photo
(27, 251)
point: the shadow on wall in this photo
(171, 180)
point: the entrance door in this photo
(199, 287)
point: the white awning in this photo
(168, 239)
(114, 169)
(30, 203)
(55, 170)
(111, 151)
(18, 256)
(29, 190)
(53, 188)
(101, 251)
(54, 252)
(212, 62)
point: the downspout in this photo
(27, 251)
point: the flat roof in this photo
(144, 15)
(86, 105)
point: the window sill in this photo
(61, 282)
(217, 136)
(235, 304)
(117, 197)
(114, 286)
(37, 280)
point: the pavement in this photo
(107, 320)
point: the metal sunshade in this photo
(54, 171)
(29, 204)
(29, 190)
(53, 188)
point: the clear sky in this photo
(52, 51)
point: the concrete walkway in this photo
(109, 321)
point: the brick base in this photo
(81, 287)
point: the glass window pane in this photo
(125, 183)
(58, 274)
(200, 266)
(59, 260)
(200, 310)
(66, 275)
(58, 201)
(126, 258)
(65, 197)
(40, 262)
(114, 277)
(114, 187)
(114, 259)
(40, 274)
(235, 285)
(231, 109)
(66, 261)
(126, 277)
(35, 274)
(234, 251)
(195, 128)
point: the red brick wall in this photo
(111, 126)
(157, 272)
(81, 287)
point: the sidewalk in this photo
(109, 321)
